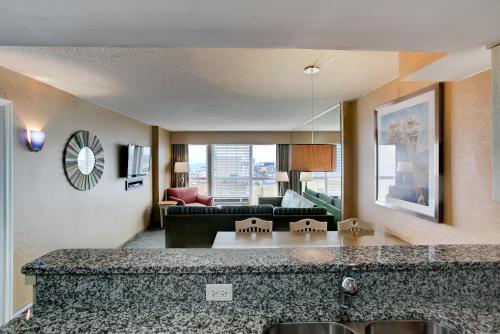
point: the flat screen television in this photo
(135, 161)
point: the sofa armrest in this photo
(204, 199)
(274, 201)
(178, 200)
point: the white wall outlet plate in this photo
(219, 292)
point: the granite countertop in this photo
(470, 313)
(468, 316)
(111, 261)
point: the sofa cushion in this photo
(247, 209)
(291, 199)
(294, 200)
(192, 210)
(305, 203)
(311, 192)
(299, 211)
(337, 202)
(326, 198)
(195, 204)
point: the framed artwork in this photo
(408, 166)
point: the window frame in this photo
(251, 177)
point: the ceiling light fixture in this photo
(312, 157)
(311, 70)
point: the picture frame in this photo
(408, 149)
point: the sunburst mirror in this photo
(84, 160)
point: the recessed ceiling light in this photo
(312, 69)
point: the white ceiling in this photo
(208, 89)
(249, 76)
(418, 25)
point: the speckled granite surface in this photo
(105, 261)
(108, 290)
(468, 316)
(162, 291)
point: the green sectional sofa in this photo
(194, 227)
(333, 205)
(293, 207)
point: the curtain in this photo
(180, 153)
(295, 183)
(283, 165)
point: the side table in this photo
(163, 205)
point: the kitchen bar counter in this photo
(163, 290)
(204, 260)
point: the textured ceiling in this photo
(418, 25)
(208, 89)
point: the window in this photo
(198, 168)
(233, 173)
(264, 172)
(329, 183)
(334, 180)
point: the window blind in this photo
(231, 170)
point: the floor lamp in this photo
(306, 177)
(282, 178)
(182, 168)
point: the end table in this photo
(163, 205)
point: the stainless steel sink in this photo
(407, 327)
(309, 328)
(371, 327)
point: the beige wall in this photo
(161, 169)
(495, 73)
(470, 215)
(48, 212)
(165, 160)
(253, 137)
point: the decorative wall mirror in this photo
(84, 160)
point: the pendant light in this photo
(312, 157)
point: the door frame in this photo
(6, 195)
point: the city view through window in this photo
(198, 168)
(233, 179)
(225, 171)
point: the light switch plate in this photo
(219, 292)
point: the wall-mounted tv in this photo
(135, 161)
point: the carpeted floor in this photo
(148, 239)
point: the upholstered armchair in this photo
(188, 196)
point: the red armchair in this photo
(188, 197)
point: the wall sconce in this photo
(35, 140)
